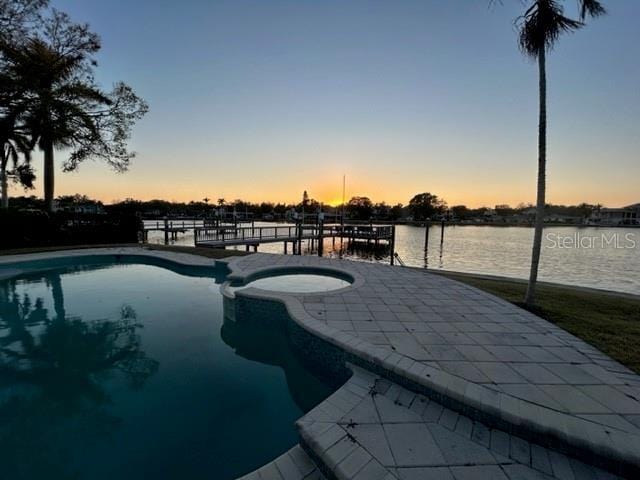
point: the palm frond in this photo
(13, 153)
(23, 174)
(82, 92)
(590, 8)
(541, 26)
(12, 140)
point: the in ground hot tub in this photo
(298, 280)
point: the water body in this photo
(605, 258)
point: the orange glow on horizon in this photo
(334, 202)
(454, 194)
(475, 188)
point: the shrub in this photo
(34, 228)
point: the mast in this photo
(344, 181)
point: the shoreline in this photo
(523, 281)
(422, 224)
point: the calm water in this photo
(299, 283)
(129, 372)
(607, 258)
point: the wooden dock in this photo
(252, 237)
(220, 237)
(173, 226)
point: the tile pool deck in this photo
(501, 375)
(450, 382)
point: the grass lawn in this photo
(609, 322)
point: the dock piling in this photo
(426, 235)
(392, 245)
(320, 237)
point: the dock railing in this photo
(361, 232)
(254, 234)
(172, 224)
(223, 236)
(169, 223)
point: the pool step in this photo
(294, 464)
(373, 429)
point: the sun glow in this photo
(334, 203)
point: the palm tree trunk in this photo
(48, 175)
(4, 183)
(530, 296)
(58, 297)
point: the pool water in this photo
(299, 283)
(128, 371)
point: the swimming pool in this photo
(125, 369)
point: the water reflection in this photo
(52, 370)
(357, 250)
(270, 345)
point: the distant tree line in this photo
(421, 207)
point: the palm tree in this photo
(539, 29)
(57, 101)
(62, 106)
(13, 143)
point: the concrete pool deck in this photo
(458, 383)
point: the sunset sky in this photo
(263, 99)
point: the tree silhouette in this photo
(17, 21)
(13, 144)
(360, 208)
(59, 102)
(424, 206)
(18, 17)
(540, 28)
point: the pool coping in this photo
(176, 258)
(580, 438)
